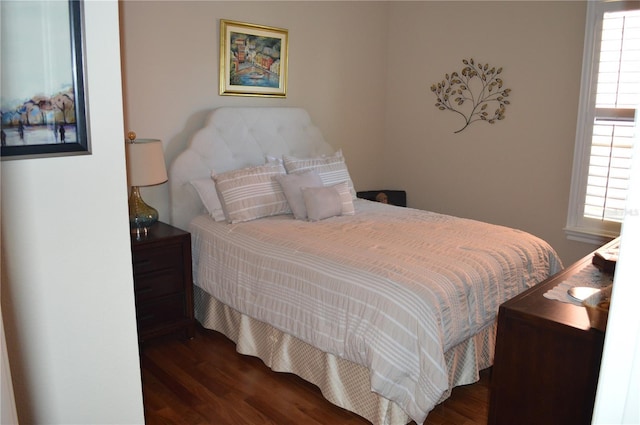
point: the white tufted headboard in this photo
(237, 137)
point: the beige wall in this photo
(337, 69)
(363, 70)
(517, 172)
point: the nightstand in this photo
(162, 282)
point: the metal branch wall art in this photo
(473, 93)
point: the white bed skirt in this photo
(342, 382)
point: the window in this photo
(609, 101)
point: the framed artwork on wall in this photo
(253, 59)
(43, 110)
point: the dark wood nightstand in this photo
(163, 282)
(547, 359)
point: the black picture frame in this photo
(50, 124)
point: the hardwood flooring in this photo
(205, 381)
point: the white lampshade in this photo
(145, 162)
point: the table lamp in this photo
(145, 167)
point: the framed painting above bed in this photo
(253, 59)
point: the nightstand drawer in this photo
(164, 310)
(158, 283)
(153, 259)
(162, 282)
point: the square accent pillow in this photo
(332, 169)
(252, 192)
(322, 202)
(325, 202)
(206, 189)
(292, 185)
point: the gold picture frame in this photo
(253, 59)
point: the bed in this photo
(384, 308)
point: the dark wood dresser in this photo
(547, 359)
(163, 283)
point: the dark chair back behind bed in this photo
(395, 197)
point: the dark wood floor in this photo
(204, 381)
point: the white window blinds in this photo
(617, 96)
(605, 134)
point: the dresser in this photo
(547, 359)
(163, 282)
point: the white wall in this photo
(67, 288)
(618, 396)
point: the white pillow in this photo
(292, 185)
(206, 189)
(325, 202)
(322, 202)
(252, 192)
(332, 169)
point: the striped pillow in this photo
(250, 193)
(332, 169)
(347, 199)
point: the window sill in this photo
(580, 234)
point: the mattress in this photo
(391, 289)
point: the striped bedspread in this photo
(389, 288)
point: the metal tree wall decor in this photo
(473, 93)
